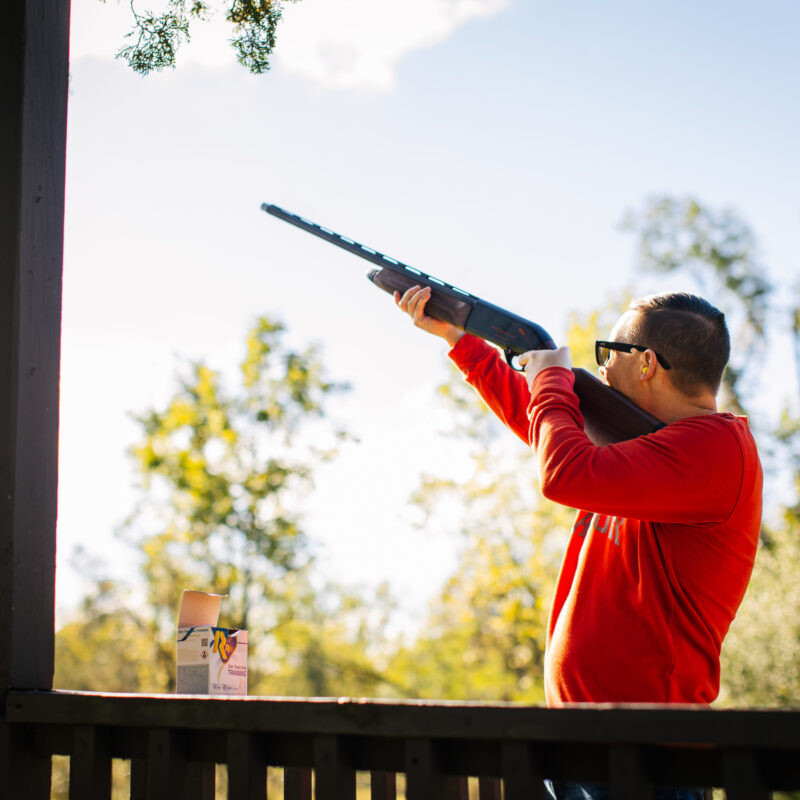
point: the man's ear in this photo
(648, 368)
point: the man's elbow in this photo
(554, 488)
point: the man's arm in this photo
(690, 471)
(502, 389)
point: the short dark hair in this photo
(689, 332)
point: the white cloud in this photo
(338, 43)
(357, 43)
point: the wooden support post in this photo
(297, 783)
(21, 765)
(383, 786)
(489, 789)
(166, 765)
(424, 777)
(456, 787)
(138, 779)
(628, 776)
(34, 40)
(247, 767)
(89, 763)
(334, 775)
(522, 773)
(742, 776)
(201, 780)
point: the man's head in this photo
(687, 332)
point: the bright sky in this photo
(495, 143)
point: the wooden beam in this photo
(34, 43)
(657, 725)
(34, 39)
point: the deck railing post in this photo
(383, 786)
(201, 780)
(629, 780)
(247, 766)
(34, 41)
(297, 783)
(25, 770)
(743, 780)
(138, 779)
(334, 775)
(424, 776)
(90, 764)
(522, 775)
(166, 765)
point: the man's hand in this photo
(535, 361)
(413, 303)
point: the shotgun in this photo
(609, 416)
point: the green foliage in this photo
(223, 473)
(106, 645)
(224, 466)
(157, 37)
(224, 469)
(761, 654)
(583, 329)
(718, 251)
(485, 634)
(331, 644)
(218, 466)
(255, 24)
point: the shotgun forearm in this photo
(608, 415)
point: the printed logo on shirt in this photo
(582, 524)
(599, 523)
(609, 525)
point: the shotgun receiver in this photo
(609, 416)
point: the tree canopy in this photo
(156, 38)
(224, 464)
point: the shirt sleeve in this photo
(503, 389)
(688, 472)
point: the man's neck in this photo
(672, 407)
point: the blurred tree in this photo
(223, 475)
(224, 470)
(486, 631)
(105, 645)
(717, 250)
(156, 38)
(761, 653)
(334, 644)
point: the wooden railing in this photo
(173, 743)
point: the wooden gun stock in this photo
(608, 415)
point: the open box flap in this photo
(199, 608)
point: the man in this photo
(667, 526)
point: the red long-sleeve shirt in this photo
(662, 546)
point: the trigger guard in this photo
(510, 356)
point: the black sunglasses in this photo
(602, 352)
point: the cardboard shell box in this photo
(210, 660)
